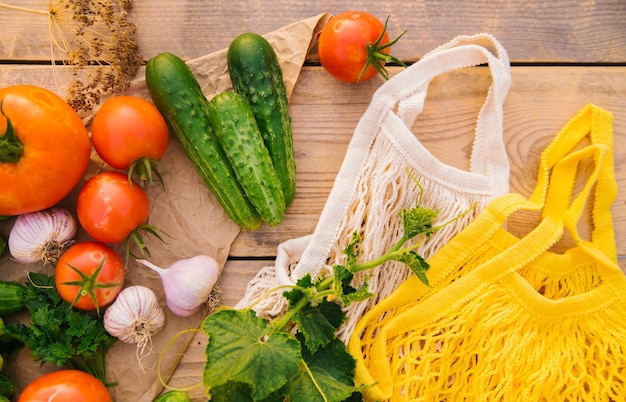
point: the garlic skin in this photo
(134, 316)
(187, 283)
(42, 236)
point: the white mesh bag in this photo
(377, 180)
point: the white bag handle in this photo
(406, 92)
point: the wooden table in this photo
(564, 54)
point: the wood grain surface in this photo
(564, 55)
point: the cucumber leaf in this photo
(318, 323)
(417, 263)
(242, 349)
(325, 376)
(231, 392)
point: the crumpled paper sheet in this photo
(190, 216)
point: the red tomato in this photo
(109, 207)
(55, 149)
(65, 385)
(128, 129)
(343, 46)
(103, 268)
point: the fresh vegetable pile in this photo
(240, 142)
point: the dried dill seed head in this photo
(103, 48)
(96, 39)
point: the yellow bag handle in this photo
(592, 123)
(596, 124)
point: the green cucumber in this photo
(177, 94)
(11, 297)
(256, 74)
(233, 123)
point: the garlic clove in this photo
(187, 283)
(42, 236)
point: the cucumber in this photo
(177, 94)
(256, 74)
(11, 297)
(233, 123)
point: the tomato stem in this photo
(377, 58)
(135, 238)
(88, 285)
(11, 148)
(146, 170)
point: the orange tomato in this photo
(110, 208)
(55, 149)
(127, 129)
(65, 385)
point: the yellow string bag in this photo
(591, 125)
(384, 344)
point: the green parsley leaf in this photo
(59, 334)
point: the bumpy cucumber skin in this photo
(235, 127)
(11, 297)
(177, 94)
(256, 74)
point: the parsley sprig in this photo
(250, 358)
(59, 334)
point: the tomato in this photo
(109, 207)
(54, 154)
(354, 46)
(65, 385)
(102, 280)
(127, 131)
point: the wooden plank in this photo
(532, 31)
(325, 113)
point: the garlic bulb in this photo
(134, 316)
(187, 283)
(42, 235)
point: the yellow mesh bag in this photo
(505, 319)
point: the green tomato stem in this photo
(11, 148)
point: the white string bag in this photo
(373, 184)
